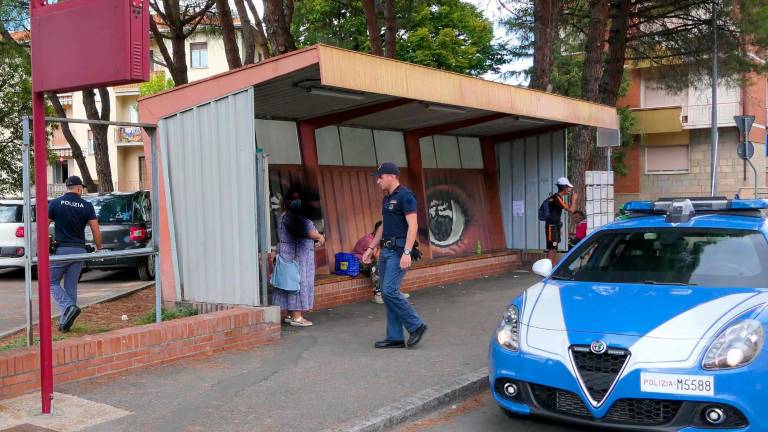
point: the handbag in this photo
(286, 275)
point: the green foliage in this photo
(156, 84)
(168, 314)
(445, 34)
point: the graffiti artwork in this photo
(456, 203)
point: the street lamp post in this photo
(714, 98)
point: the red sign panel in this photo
(80, 44)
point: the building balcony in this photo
(657, 120)
(126, 136)
(700, 116)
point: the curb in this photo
(421, 403)
(104, 300)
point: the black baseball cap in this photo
(73, 181)
(386, 168)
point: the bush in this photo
(168, 314)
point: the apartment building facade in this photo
(671, 153)
(205, 57)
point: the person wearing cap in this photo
(71, 214)
(396, 238)
(553, 226)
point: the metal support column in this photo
(27, 217)
(156, 225)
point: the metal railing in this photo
(152, 250)
(701, 115)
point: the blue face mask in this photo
(295, 204)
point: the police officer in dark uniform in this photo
(71, 214)
(396, 237)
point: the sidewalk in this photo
(316, 377)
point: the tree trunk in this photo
(289, 8)
(178, 67)
(260, 37)
(231, 50)
(584, 137)
(372, 24)
(77, 151)
(100, 143)
(278, 31)
(390, 32)
(545, 27)
(249, 38)
(613, 73)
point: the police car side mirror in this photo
(543, 267)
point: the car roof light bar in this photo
(711, 204)
(681, 211)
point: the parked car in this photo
(12, 233)
(125, 220)
(653, 323)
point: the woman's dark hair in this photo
(295, 221)
(290, 195)
(376, 226)
(580, 213)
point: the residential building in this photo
(672, 148)
(205, 58)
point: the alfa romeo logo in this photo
(598, 347)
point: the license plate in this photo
(694, 385)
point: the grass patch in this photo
(168, 314)
(21, 342)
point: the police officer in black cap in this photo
(396, 237)
(71, 214)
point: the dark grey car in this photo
(125, 219)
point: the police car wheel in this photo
(147, 269)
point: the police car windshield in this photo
(112, 209)
(675, 256)
(10, 213)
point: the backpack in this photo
(544, 210)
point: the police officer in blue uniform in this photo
(396, 237)
(71, 214)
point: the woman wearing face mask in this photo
(297, 236)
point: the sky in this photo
(493, 12)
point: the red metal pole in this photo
(43, 270)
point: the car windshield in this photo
(112, 209)
(10, 213)
(705, 257)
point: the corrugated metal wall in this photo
(528, 169)
(212, 171)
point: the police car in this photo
(653, 323)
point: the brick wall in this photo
(697, 181)
(137, 347)
(425, 275)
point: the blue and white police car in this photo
(653, 323)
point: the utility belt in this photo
(393, 243)
(54, 246)
(397, 244)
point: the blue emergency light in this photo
(682, 209)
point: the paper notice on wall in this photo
(518, 208)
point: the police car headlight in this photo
(737, 346)
(508, 331)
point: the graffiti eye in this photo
(447, 219)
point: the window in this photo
(199, 54)
(690, 256)
(151, 60)
(60, 171)
(133, 113)
(666, 159)
(112, 209)
(142, 172)
(91, 143)
(10, 213)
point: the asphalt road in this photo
(481, 414)
(94, 286)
